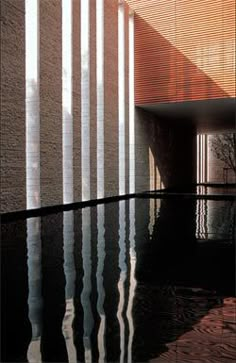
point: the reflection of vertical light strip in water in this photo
(133, 283)
(100, 288)
(34, 282)
(67, 118)
(121, 95)
(197, 219)
(131, 106)
(100, 96)
(152, 216)
(123, 271)
(69, 270)
(32, 104)
(87, 286)
(85, 99)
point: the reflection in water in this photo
(133, 283)
(215, 220)
(35, 294)
(100, 288)
(169, 282)
(70, 275)
(121, 282)
(87, 286)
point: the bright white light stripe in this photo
(121, 282)
(32, 104)
(35, 301)
(85, 99)
(197, 158)
(131, 107)
(100, 96)
(121, 95)
(100, 288)
(67, 117)
(132, 282)
(70, 276)
(87, 285)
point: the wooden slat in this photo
(185, 49)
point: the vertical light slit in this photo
(35, 301)
(121, 95)
(100, 288)
(87, 285)
(121, 282)
(132, 281)
(32, 104)
(100, 96)
(85, 99)
(67, 117)
(70, 276)
(131, 107)
(197, 158)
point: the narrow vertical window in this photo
(67, 118)
(197, 158)
(100, 96)
(131, 106)
(85, 100)
(121, 95)
(32, 104)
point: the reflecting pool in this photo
(133, 281)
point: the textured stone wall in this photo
(76, 94)
(111, 170)
(13, 170)
(51, 102)
(93, 103)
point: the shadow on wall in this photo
(163, 73)
(165, 153)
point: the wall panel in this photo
(13, 167)
(51, 101)
(76, 100)
(111, 175)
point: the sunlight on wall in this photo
(85, 99)
(100, 96)
(67, 118)
(32, 104)
(121, 95)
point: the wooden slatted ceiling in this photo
(184, 50)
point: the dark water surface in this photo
(133, 281)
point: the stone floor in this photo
(212, 339)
